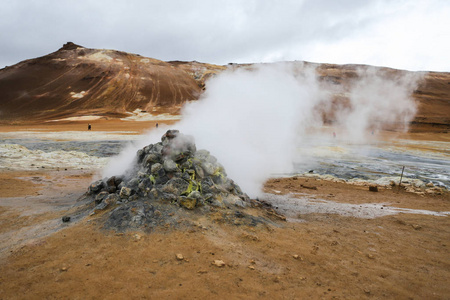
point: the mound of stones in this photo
(170, 179)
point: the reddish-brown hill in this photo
(78, 81)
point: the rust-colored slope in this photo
(77, 81)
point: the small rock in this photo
(63, 269)
(66, 219)
(373, 188)
(155, 168)
(112, 199)
(101, 196)
(251, 267)
(137, 237)
(370, 256)
(96, 186)
(170, 165)
(416, 226)
(179, 256)
(125, 192)
(219, 263)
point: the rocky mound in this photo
(172, 184)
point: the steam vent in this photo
(172, 184)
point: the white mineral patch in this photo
(17, 157)
(100, 56)
(78, 95)
(73, 135)
(81, 118)
(383, 181)
(138, 115)
(127, 75)
(295, 205)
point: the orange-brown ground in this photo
(404, 256)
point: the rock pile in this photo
(170, 179)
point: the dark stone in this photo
(96, 187)
(65, 219)
(111, 181)
(117, 180)
(111, 189)
(373, 188)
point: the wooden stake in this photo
(401, 177)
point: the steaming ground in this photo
(253, 120)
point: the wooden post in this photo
(401, 177)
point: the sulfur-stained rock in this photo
(188, 202)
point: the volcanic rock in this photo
(171, 184)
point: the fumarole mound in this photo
(173, 184)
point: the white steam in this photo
(376, 102)
(253, 120)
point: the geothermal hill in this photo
(77, 81)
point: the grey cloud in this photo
(202, 30)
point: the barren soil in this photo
(312, 256)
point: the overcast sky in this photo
(405, 34)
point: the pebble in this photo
(219, 263)
(179, 256)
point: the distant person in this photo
(156, 125)
(89, 126)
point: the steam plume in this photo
(253, 120)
